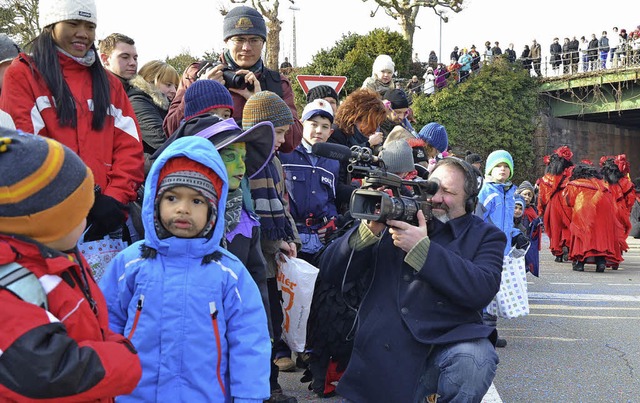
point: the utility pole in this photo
(294, 60)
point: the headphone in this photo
(472, 181)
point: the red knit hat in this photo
(182, 171)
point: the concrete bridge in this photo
(595, 113)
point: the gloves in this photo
(324, 232)
(520, 241)
(106, 216)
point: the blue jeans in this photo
(459, 372)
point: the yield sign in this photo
(308, 82)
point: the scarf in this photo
(269, 207)
(87, 60)
(233, 209)
(256, 68)
(357, 138)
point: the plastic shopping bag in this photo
(512, 300)
(296, 280)
(99, 253)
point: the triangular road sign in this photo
(308, 82)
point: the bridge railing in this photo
(569, 63)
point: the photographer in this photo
(241, 70)
(420, 330)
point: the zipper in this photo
(137, 317)
(214, 320)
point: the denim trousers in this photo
(458, 372)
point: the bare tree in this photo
(406, 11)
(19, 20)
(269, 10)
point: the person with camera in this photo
(242, 70)
(419, 327)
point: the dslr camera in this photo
(371, 203)
(231, 78)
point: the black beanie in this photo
(397, 97)
(320, 92)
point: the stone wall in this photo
(587, 140)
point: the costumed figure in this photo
(555, 179)
(615, 172)
(593, 234)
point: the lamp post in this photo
(295, 51)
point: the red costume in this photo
(550, 209)
(586, 202)
(624, 194)
(551, 185)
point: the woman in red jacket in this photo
(62, 91)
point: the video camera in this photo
(370, 202)
(231, 78)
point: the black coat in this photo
(404, 311)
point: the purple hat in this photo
(259, 140)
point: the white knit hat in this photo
(383, 62)
(52, 11)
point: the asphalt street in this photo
(579, 343)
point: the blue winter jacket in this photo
(497, 204)
(311, 187)
(166, 305)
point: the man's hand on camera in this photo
(405, 236)
(214, 73)
(249, 78)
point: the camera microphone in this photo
(344, 153)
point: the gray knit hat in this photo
(8, 49)
(398, 157)
(243, 20)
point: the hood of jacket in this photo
(200, 150)
(139, 86)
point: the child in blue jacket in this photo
(188, 304)
(311, 180)
(496, 204)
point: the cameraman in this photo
(245, 34)
(420, 330)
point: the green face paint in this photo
(233, 157)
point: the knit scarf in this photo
(233, 209)
(256, 68)
(87, 60)
(268, 203)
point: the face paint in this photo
(233, 157)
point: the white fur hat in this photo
(52, 11)
(383, 62)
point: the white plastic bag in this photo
(512, 300)
(296, 280)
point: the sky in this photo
(196, 25)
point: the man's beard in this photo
(442, 216)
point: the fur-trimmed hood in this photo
(141, 86)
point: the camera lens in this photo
(233, 80)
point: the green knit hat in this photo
(266, 106)
(497, 157)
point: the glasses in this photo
(253, 42)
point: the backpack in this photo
(22, 283)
